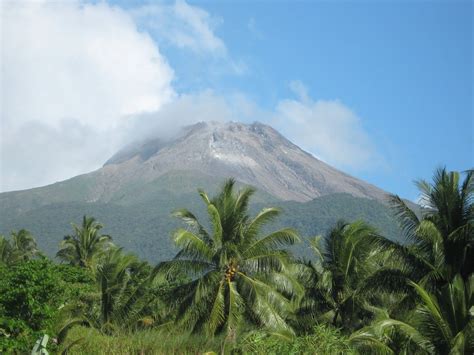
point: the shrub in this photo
(30, 295)
(15, 336)
(30, 291)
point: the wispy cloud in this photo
(185, 26)
(192, 30)
(328, 129)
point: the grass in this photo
(91, 342)
(323, 340)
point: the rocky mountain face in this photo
(254, 154)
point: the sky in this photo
(381, 90)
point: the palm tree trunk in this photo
(105, 301)
(336, 314)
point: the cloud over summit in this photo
(80, 80)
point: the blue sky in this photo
(381, 90)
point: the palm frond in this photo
(367, 342)
(179, 266)
(282, 237)
(191, 220)
(263, 217)
(235, 308)
(216, 224)
(407, 218)
(217, 314)
(192, 245)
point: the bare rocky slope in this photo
(254, 154)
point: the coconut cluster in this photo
(230, 272)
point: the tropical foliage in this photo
(441, 323)
(441, 236)
(345, 262)
(30, 294)
(86, 245)
(125, 297)
(234, 285)
(237, 272)
(20, 247)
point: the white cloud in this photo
(71, 62)
(300, 90)
(192, 30)
(188, 109)
(184, 25)
(199, 33)
(327, 128)
(184, 110)
(38, 154)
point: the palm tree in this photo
(345, 265)
(443, 237)
(20, 247)
(24, 244)
(442, 323)
(5, 251)
(114, 279)
(86, 245)
(439, 238)
(237, 273)
(126, 294)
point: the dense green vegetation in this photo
(235, 286)
(138, 217)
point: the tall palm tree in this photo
(442, 323)
(86, 245)
(237, 273)
(442, 237)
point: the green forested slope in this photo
(140, 220)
